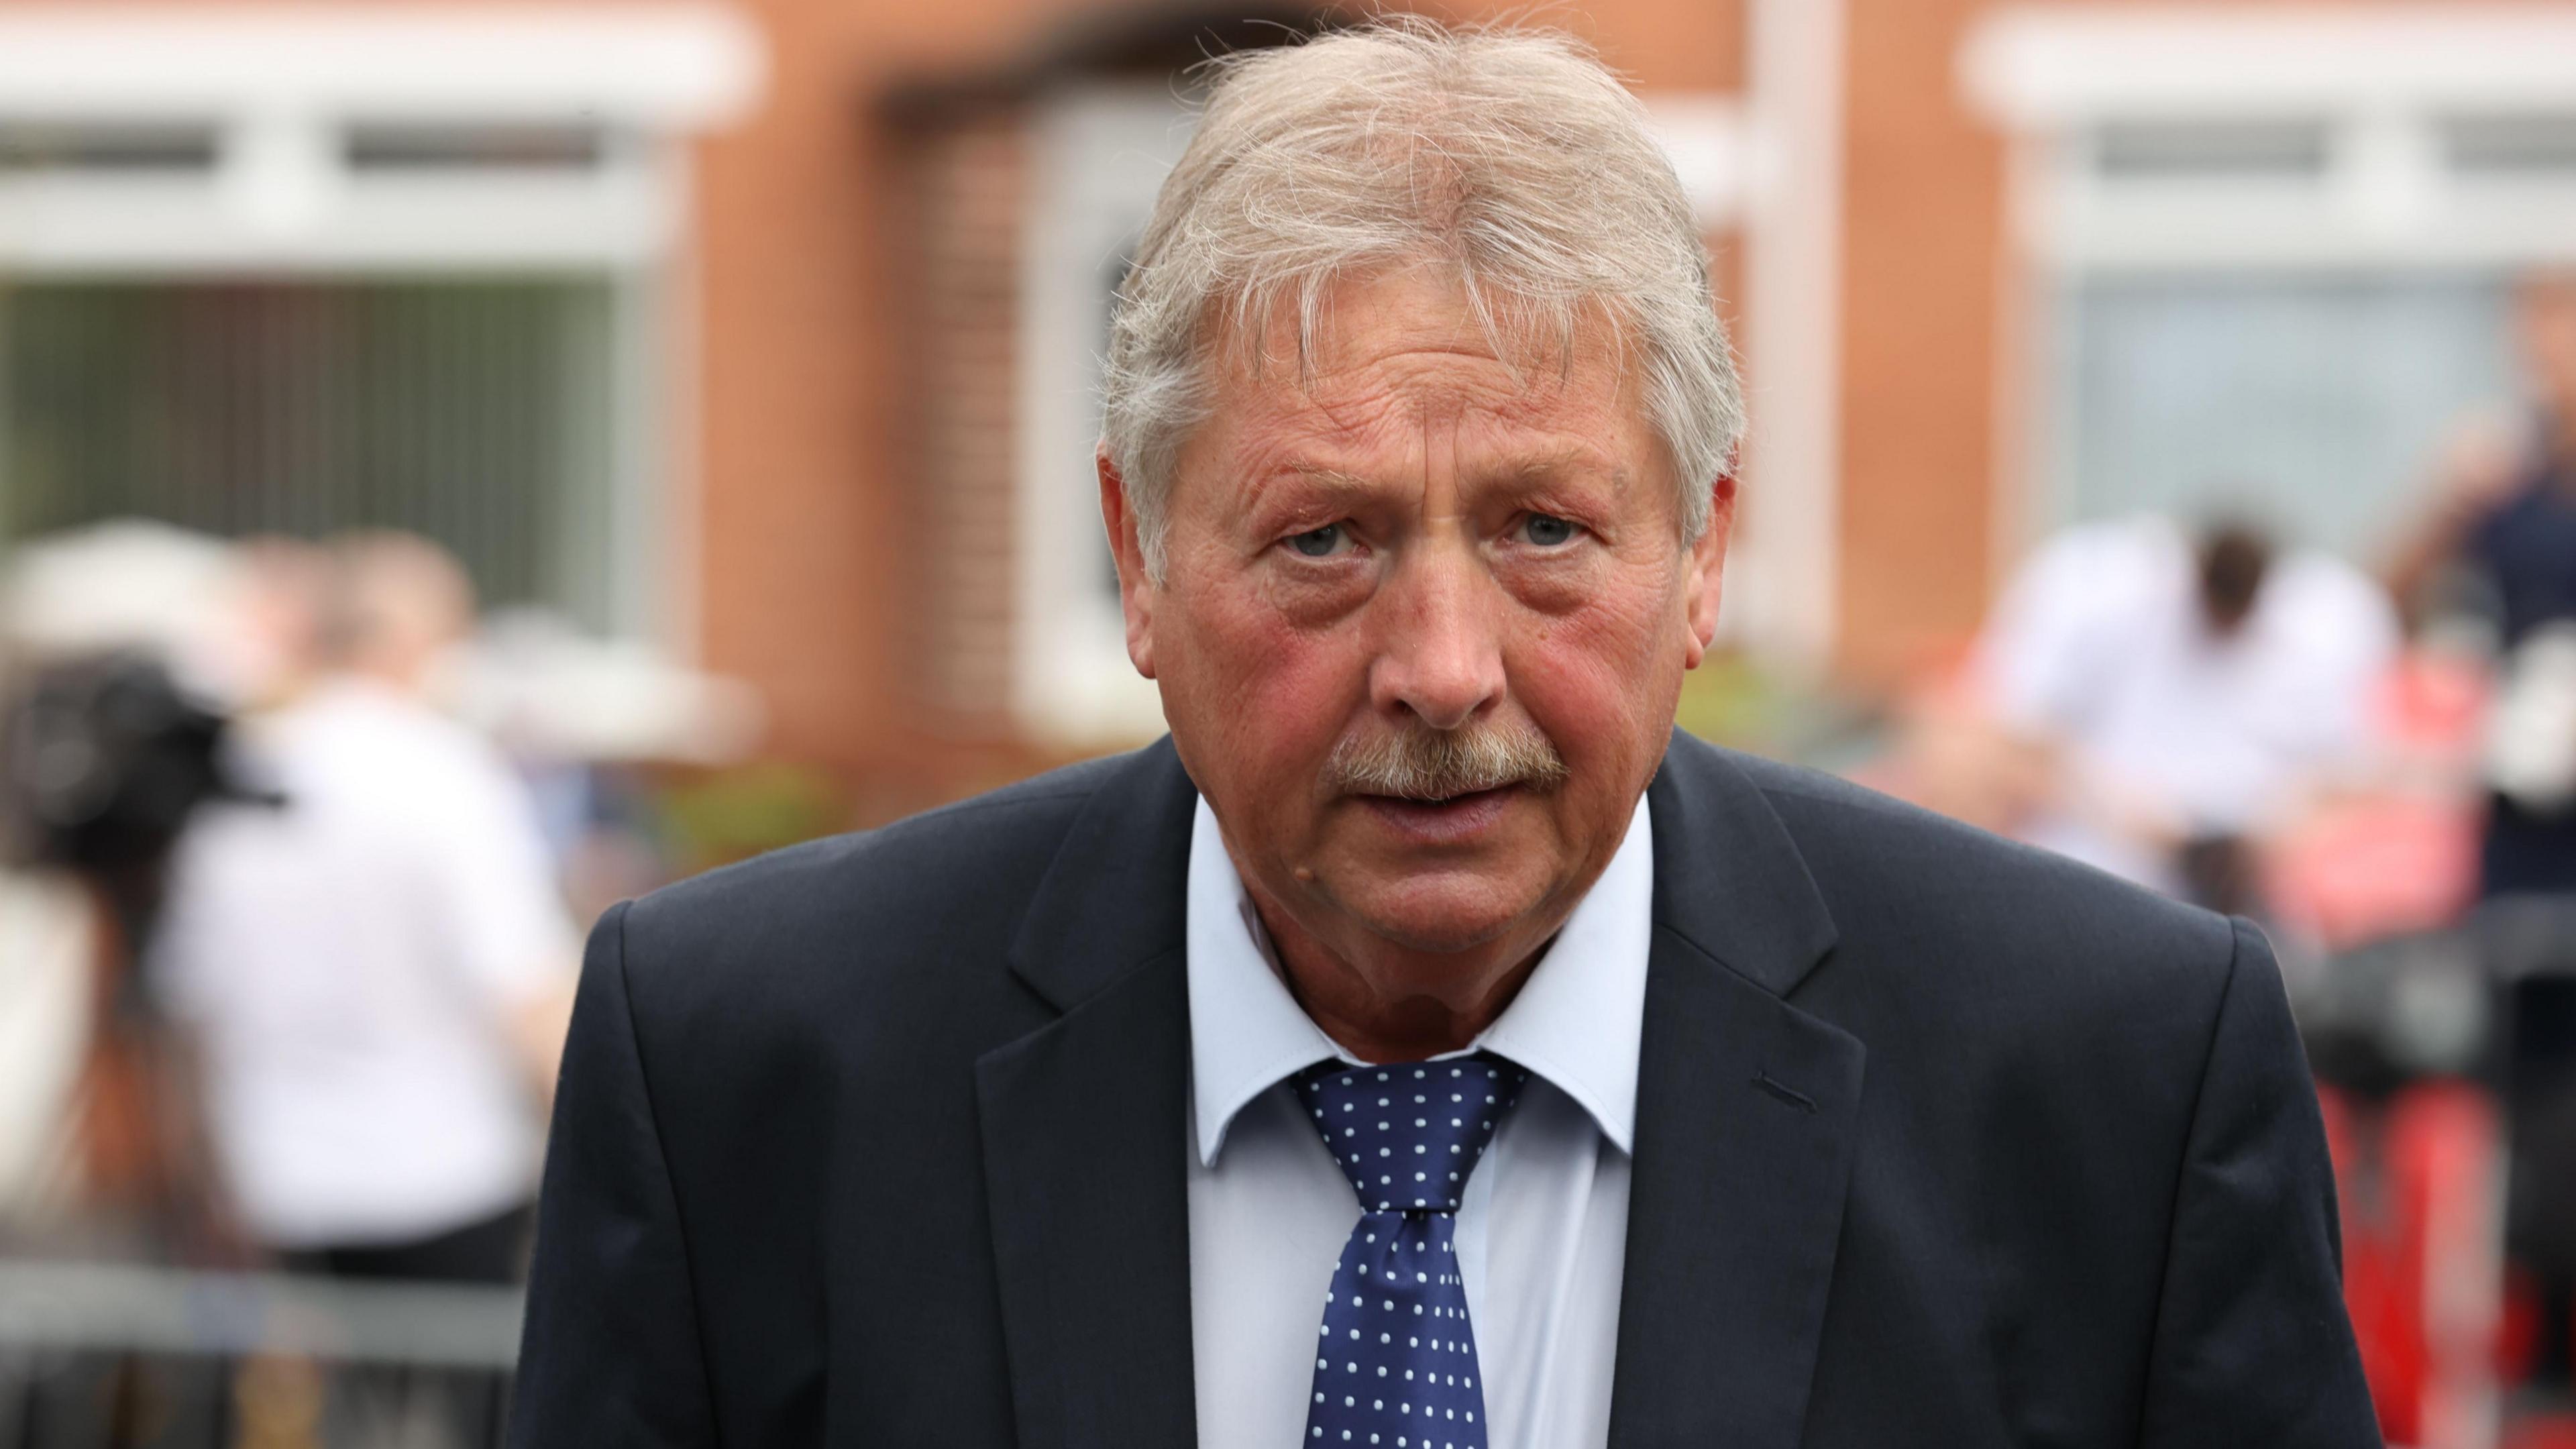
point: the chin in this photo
(1444, 916)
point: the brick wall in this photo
(959, 373)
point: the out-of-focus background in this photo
(465, 463)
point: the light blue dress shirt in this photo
(1542, 1231)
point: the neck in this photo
(1392, 1004)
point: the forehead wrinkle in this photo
(1333, 482)
(1539, 465)
(1524, 423)
(1513, 473)
(1468, 406)
(1425, 379)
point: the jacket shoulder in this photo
(2020, 1009)
(1955, 941)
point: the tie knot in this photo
(1407, 1134)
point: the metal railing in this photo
(96, 1356)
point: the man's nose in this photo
(1438, 657)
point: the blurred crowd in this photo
(298, 846)
(2346, 752)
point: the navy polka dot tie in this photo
(1395, 1365)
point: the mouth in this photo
(1450, 820)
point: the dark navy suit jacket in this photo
(1940, 1142)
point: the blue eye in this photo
(1318, 542)
(1547, 531)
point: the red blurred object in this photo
(2369, 868)
(2518, 1327)
(2402, 855)
(2558, 1431)
(2419, 1177)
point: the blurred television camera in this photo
(102, 761)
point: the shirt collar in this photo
(1575, 1022)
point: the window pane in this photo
(2536, 144)
(2191, 149)
(476, 413)
(2314, 403)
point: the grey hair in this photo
(1511, 155)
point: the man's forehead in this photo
(1555, 412)
(1418, 321)
(1543, 461)
(1308, 442)
(1398, 365)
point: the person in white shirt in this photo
(2188, 689)
(374, 974)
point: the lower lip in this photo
(1449, 822)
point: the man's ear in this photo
(1707, 567)
(1135, 591)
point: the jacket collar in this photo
(1575, 1022)
(1728, 877)
(1113, 899)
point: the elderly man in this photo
(1424, 1046)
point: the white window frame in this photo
(1098, 155)
(2379, 78)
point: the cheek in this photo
(1277, 689)
(1600, 677)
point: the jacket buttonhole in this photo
(1788, 1094)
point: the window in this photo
(476, 412)
(2201, 150)
(33, 147)
(2509, 145)
(2271, 252)
(2315, 402)
(1100, 155)
(398, 147)
(311, 269)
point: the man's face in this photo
(1413, 542)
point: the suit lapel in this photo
(1747, 1111)
(1084, 1130)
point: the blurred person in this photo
(1426, 1043)
(2185, 692)
(376, 974)
(275, 604)
(120, 643)
(2500, 541)
(2503, 528)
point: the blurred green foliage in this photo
(736, 814)
(1731, 700)
(1734, 700)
